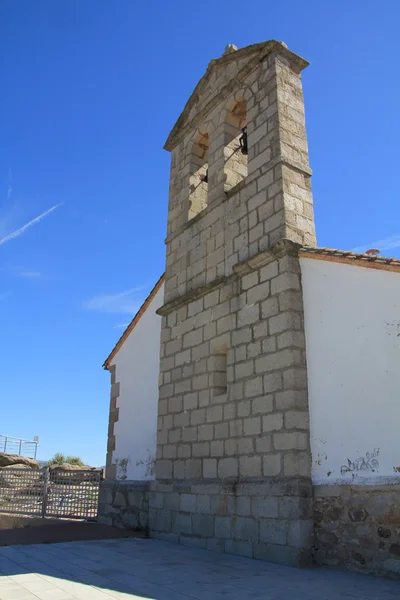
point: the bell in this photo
(243, 141)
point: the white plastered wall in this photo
(352, 325)
(137, 370)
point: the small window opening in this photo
(235, 153)
(220, 370)
(198, 199)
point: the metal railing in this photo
(50, 492)
(12, 445)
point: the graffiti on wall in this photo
(368, 462)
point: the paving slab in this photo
(138, 569)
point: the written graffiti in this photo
(364, 463)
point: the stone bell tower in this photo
(233, 451)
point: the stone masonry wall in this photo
(267, 519)
(358, 527)
(233, 301)
(124, 504)
(260, 426)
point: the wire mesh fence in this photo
(71, 494)
(21, 491)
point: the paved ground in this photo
(140, 568)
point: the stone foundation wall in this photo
(124, 504)
(358, 527)
(264, 519)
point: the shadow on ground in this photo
(24, 531)
(144, 568)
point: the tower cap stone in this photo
(229, 48)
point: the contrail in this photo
(22, 229)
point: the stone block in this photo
(291, 399)
(248, 315)
(274, 531)
(193, 468)
(190, 401)
(295, 419)
(163, 520)
(262, 405)
(250, 280)
(188, 503)
(210, 468)
(284, 555)
(260, 292)
(250, 466)
(203, 525)
(181, 523)
(290, 441)
(264, 507)
(214, 413)
(198, 417)
(205, 432)
(179, 469)
(156, 500)
(245, 528)
(272, 464)
(217, 448)
(244, 408)
(301, 533)
(223, 527)
(164, 469)
(201, 449)
(253, 387)
(203, 504)
(221, 431)
(252, 426)
(297, 464)
(239, 548)
(215, 545)
(263, 443)
(189, 434)
(172, 501)
(119, 499)
(184, 450)
(272, 422)
(227, 467)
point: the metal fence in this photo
(12, 445)
(71, 494)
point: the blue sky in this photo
(90, 91)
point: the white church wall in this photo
(137, 370)
(352, 326)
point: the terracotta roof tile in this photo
(347, 256)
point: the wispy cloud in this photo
(121, 326)
(388, 243)
(4, 295)
(9, 190)
(30, 274)
(35, 221)
(127, 302)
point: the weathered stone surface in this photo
(9, 460)
(356, 526)
(357, 514)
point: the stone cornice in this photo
(281, 248)
(195, 294)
